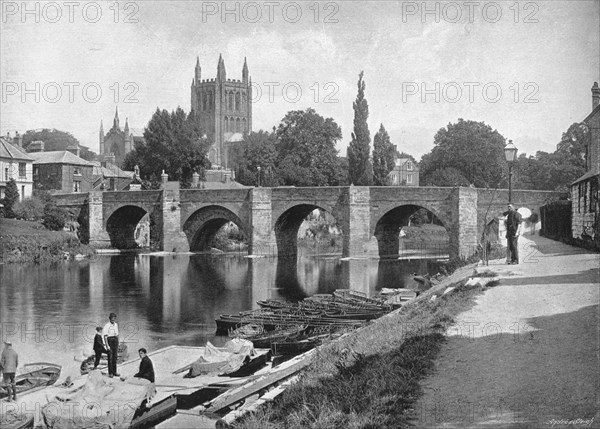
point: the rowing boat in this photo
(37, 376)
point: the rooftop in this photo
(10, 151)
(58, 157)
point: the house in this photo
(16, 164)
(61, 171)
(405, 173)
(109, 177)
(584, 191)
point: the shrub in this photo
(54, 217)
(29, 209)
(11, 197)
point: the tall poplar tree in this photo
(359, 167)
(383, 157)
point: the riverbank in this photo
(25, 241)
(371, 377)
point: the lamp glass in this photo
(510, 152)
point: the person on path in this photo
(513, 230)
(111, 342)
(8, 365)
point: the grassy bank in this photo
(370, 379)
(24, 241)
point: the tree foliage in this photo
(359, 166)
(465, 150)
(306, 153)
(11, 197)
(383, 157)
(56, 140)
(255, 155)
(175, 143)
(29, 209)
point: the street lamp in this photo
(258, 175)
(510, 153)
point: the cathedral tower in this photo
(225, 109)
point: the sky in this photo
(524, 68)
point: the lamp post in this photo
(258, 175)
(510, 153)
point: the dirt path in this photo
(527, 354)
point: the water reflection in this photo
(50, 311)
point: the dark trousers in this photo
(113, 345)
(98, 357)
(513, 249)
(9, 381)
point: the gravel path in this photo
(527, 354)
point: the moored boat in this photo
(37, 376)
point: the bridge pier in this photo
(172, 238)
(356, 222)
(98, 236)
(463, 231)
(262, 237)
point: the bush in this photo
(11, 197)
(29, 209)
(54, 217)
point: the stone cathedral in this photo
(225, 109)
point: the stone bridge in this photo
(184, 220)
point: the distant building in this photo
(225, 109)
(61, 172)
(405, 173)
(109, 177)
(117, 143)
(584, 191)
(16, 164)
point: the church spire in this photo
(245, 72)
(126, 130)
(221, 74)
(116, 121)
(198, 71)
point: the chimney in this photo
(18, 139)
(595, 95)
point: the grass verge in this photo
(370, 378)
(25, 241)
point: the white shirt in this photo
(110, 330)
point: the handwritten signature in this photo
(567, 422)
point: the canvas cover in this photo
(217, 361)
(100, 403)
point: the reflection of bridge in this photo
(182, 220)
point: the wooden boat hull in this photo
(148, 417)
(45, 375)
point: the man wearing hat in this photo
(111, 342)
(8, 365)
(513, 230)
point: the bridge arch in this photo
(202, 225)
(387, 227)
(121, 226)
(287, 226)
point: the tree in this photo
(359, 166)
(11, 197)
(174, 143)
(401, 155)
(383, 157)
(472, 150)
(255, 155)
(56, 140)
(306, 153)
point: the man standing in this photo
(111, 342)
(8, 364)
(513, 230)
(146, 368)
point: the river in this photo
(50, 311)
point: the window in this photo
(409, 165)
(77, 171)
(237, 101)
(6, 177)
(22, 196)
(22, 169)
(409, 178)
(77, 186)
